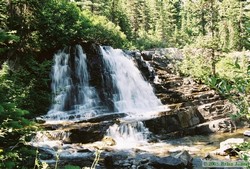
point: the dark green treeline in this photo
(176, 23)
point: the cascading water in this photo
(132, 93)
(50, 138)
(114, 86)
(128, 135)
(74, 98)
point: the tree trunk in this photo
(213, 62)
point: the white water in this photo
(61, 80)
(83, 97)
(75, 99)
(50, 138)
(135, 95)
(128, 135)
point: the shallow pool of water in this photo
(198, 145)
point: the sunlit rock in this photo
(247, 133)
(228, 147)
(109, 141)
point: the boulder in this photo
(227, 147)
(142, 160)
(179, 120)
(116, 160)
(89, 133)
(147, 55)
(247, 133)
(185, 157)
(167, 162)
(109, 141)
(221, 125)
(230, 143)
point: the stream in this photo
(99, 104)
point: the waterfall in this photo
(50, 138)
(97, 82)
(132, 93)
(114, 86)
(128, 135)
(74, 99)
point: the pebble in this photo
(133, 167)
(126, 164)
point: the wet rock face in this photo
(144, 66)
(85, 135)
(174, 121)
(147, 55)
(167, 162)
(191, 102)
(98, 78)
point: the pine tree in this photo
(230, 14)
(245, 25)
(172, 20)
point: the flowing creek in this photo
(198, 146)
(110, 85)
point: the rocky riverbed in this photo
(189, 128)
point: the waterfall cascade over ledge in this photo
(99, 84)
(85, 87)
(92, 112)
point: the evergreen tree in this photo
(193, 20)
(203, 27)
(172, 20)
(245, 25)
(230, 24)
(7, 36)
(94, 6)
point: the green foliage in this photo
(56, 22)
(232, 79)
(71, 167)
(225, 20)
(7, 38)
(14, 127)
(244, 153)
(101, 30)
(50, 24)
(236, 87)
(60, 23)
(195, 64)
(145, 41)
(36, 98)
(28, 86)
